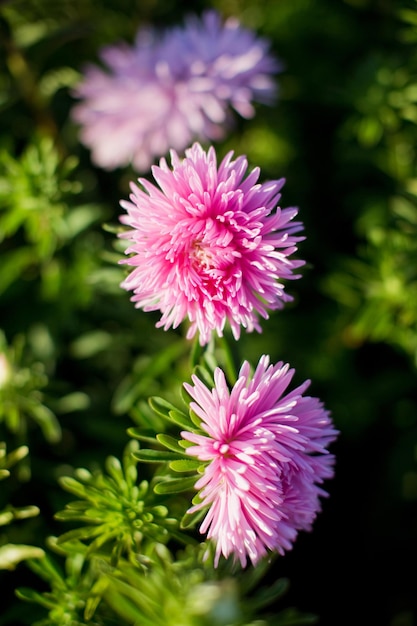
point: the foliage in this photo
(21, 393)
(116, 510)
(11, 554)
(377, 288)
(106, 471)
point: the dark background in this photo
(343, 134)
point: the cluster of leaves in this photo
(22, 382)
(378, 286)
(10, 553)
(158, 592)
(36, 192)
(118, 564)
(77, 362)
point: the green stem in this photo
(227, 359)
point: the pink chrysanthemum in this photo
(209, 245)
(266, 454)
(171, 88)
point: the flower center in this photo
(214, 258)
(202, 256)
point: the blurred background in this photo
(343, 133)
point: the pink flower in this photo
(171, 88)
(266, 456)
(209, 245)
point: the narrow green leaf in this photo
(142, 604)
(73, 486)
(91, 606)
(70, 515)
(155, 456)
(268, 595)
(101, 539)
(180, 418)
(11, 554)
(6, 517)
(196, 420)
(46, 569)
(185, 465)
(142, 434)
(29, 595)
(175, 485)
(13, 264)
(189, 520)
(170, 442)
(16, 455)
(81, 217)
(408, 15)
(161, 407)
(115, 470)
(81, 533)
(205, 375)
(47, 421)
(24, 512)
(196, 352)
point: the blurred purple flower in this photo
(209, 244)
(266, 456)
(171, 88)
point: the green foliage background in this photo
(84, 361)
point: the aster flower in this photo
(171, 88)
(209, 244)
(265, 450)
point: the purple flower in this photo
(171, 88)
(209, 244)
(265, 455)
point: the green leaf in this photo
(90, 606)
(52, 81)
(185, 465)
(11, 554)
(47, 421)
(82, 217)
(94, 599)
(13, 264)
(71, 514)
(408, 15)
(90, 344)
(180, 418)
(161, 407)
(175, 485)
(81, 533)
(268, 595)
(29, 595)
(196, 352)
(189, 520)
(6, 517)
(16, 455)
(155, 456)
(143, 435)
(115, 470)
(46, 569)
(204, 375)
(196, 420)
(73, 486)
(24, 512)
(75, 401)
(170, 442)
